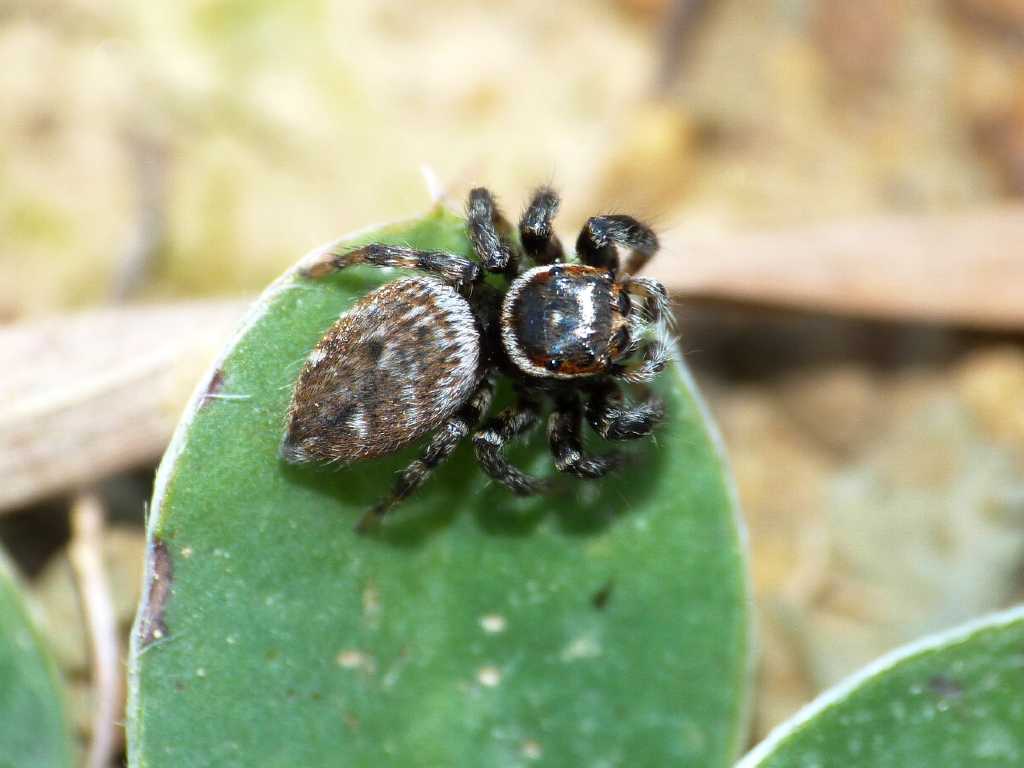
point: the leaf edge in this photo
(840, 692)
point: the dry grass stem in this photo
(86, 555)
(963, 269)
(85, 396)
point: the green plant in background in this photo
(953, 699)
(604, 625)
(34, 731)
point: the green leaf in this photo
(33, 728)
(951, 699)
(604, 625)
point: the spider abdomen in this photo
(392, 368)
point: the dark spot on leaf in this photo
(945, 687)
(215, 386)
(273, 654)
(159, 581)
(600, 598)
(179, 686)
(316, 696)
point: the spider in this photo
(422, 354)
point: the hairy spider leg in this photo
(657, 307)
(490, 232)
(596, 244)
(490, 442)
(655, 353)
(565, 436)
(610, 416)
(461, 273)
(443, 442)
(539, 242)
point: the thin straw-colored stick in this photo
(86, 555)
(965, 269)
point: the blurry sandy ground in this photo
(881, 468)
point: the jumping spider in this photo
(421, 354)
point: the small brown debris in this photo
(159, 581)
(214, 387)
(600, 598)
(945, 687)
(351, 721)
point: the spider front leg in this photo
(657, 307)
(488, 230)
(444, 441)
(453, 269)
(539, 242)
(491, 440)
(599, 237)
(612, 419)
(656, 354)
(564, 435)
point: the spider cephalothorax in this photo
(421, 354)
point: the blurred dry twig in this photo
(86, 556)
(963, 269)
(88, 395)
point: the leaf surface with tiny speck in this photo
(954, 699)
(606, 624)
(34, 732)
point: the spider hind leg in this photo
(490, 442)
(444, 441)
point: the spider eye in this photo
(553, 364)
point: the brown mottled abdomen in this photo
(402, 360)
